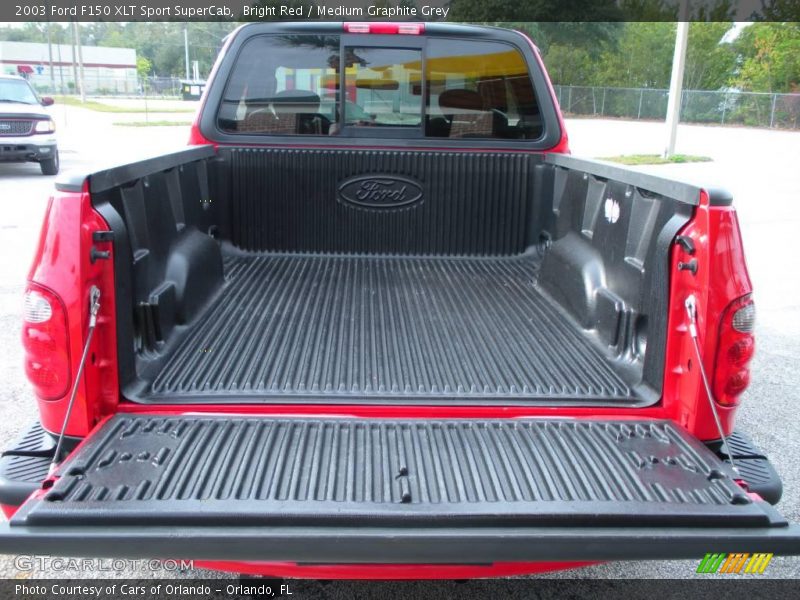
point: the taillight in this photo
(735, 349)
(385, 28)
(46, 342)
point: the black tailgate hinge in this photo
(687, 245)
(685, 242)
(100, 237)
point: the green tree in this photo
(592, 37)
(710, 61)
(534, 10)
(770, 55)
(781, 10)
(669, 10)
(570, 66)
(581, 11)
(649, 10)
(37, 33)
(143, 66)
(718, 11)
(642, 59)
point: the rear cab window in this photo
(354, 86)
(479, 89)
(282, 85)
(379, 87)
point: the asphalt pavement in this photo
(759, 166)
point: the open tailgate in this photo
(330, 490)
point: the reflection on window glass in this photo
(479, 89)
(283, 85)
(382, 87)
(290, 85)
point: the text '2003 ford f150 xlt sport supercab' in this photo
(377, 322)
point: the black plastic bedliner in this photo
(191, 470)
(349, 327)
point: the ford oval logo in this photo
(380, 191)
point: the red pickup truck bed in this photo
(382, 319)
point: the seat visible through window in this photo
(288, 112)
(465, 113)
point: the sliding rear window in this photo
(479, 89)
(449, 88)
(379, 88)
(283, 85)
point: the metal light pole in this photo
(186, 48)
(74, 59)
(60, 60)
(81, 81)
(50, 58)
(676, 81)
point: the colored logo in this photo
(384, 191)
(735, 564)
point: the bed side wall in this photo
(607, 264)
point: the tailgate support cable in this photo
(691, 311)
(94, 307)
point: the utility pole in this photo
(74, 59)
(50, 58)
(676, 80)
(60, 59)
(81, 82)
(186, 49)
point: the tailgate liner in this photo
(368, 544)
(262, 471)
(340, 491)
(340, 328)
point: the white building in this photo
(105, 70)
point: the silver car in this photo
(27, 131)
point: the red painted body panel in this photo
(397, 411)
(721, 278)
(294, 571)
(62, 265)
(8, 511)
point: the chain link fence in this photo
(117, 84)
(162, 86)
(724, 107)
(727, 107)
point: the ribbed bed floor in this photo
(377, 328)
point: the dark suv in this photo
(27, 131)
